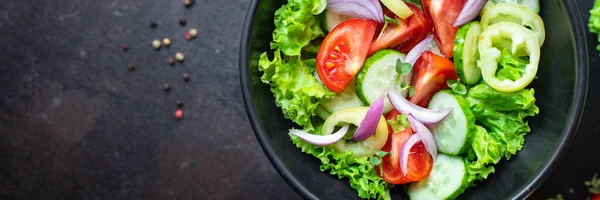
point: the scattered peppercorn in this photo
(179, 103)
(130, 67)
(187, 35)
(179, 57)
(166, 87)
(167, 41)
(171, 61)
(191, 34)
(153, 25)
(194, 33)
(125, 47)
(179, 114)
(186, 77)
(156, 44)
(182, 21)
(188, 3)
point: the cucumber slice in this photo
(342, 100)
(466, 54)
(454, 134)
(379, 74)
(332, 19)
(448, 179)
(322, 113)
(533, 5)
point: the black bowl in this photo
(560, 92)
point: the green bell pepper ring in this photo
(355, 115)
(507, 12)
(523, 42)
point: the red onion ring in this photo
(366, 9)
(426, 135)
(405, 151)
(416, 51)
(321, 140)
(423, 115)
(469, 12)
(370, 122)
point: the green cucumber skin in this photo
(468, 73)
(362, 74)
(470, 123)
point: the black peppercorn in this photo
(153, 25)
(182, 21)
(179, 103)
(186, 77)
(166, 87)
(188, 3)
(130, 67)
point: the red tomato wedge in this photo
(419, 164)
(404, 37)
(344, 51)
(443, 14)
(430, 74)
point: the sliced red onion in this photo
(405, 151)
(423, 115)
(321, 140)
(416, 51)
(369, 123)
(379, 10)
(469, 12)
(426, 135)
(365, 9)
(434, 48)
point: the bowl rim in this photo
(578, 31)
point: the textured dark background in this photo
(75, 124)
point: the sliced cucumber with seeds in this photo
(379, 74)
(448, 179)
(342, 100)
(533, 5)
(454, 134)
(466, 54)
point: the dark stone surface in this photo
(76, 124)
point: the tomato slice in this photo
(419, 163)
(344, 51)
(443, 14)
(430, 74)
(404, 37)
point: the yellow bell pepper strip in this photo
(507, 12)
(355, 115)
(493, 41)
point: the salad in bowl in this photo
(421, 96)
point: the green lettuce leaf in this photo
(503, 126)
(296, 25)
(510, 67)
(399, 124)
(503, 101)
(594, 20)
(359, 171)
(296, 90)
(488, 151)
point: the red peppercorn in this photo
(179, 114)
